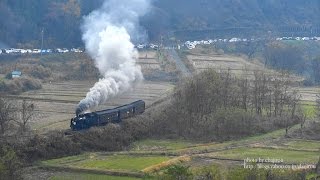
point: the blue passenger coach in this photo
(101, 118)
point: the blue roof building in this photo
(16, 74)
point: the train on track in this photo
(104, 117)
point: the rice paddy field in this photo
(157, 154)
(237, 65)
(118, 163)
(56, 103)
(87, 176)
(202, 59)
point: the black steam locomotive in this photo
(101, 118)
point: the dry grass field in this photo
(201, 59)
(309, 93)
(56, 101)
(237, 65)
(148, 60)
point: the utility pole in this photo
(42, 32)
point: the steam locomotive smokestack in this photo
(108, 33)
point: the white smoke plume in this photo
(108, 34)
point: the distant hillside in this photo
(192, 15)
(23, 21)
(195, 14)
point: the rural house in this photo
(16, 74)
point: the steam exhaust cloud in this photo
(108, 33)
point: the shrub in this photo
(19, 85)
(209, 172)
(177, 172)
(40, 72)
(9, 163)
(109, 138)
(53, 145)
(9, 76)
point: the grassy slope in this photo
(122, 162)
(303, 145)
(84, 176)
(152, 144)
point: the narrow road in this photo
(174, 57)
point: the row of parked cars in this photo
(145, 46)
(15, 51)
(193, 44)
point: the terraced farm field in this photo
(148, 61)
(309, 94)
(115, 163)
(156, 154)
(56, 101)
(87, 176)
(236, 64)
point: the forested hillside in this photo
(23, 21)
(193, 14)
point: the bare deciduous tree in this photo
(318, 105)
(318, 167)
(6, 114)
(27, 112)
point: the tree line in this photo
(220, 106)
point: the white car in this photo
(190, 46)
(76, 50)
(36, 51)
(9, 51)
(65, 50)
(141, 46)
